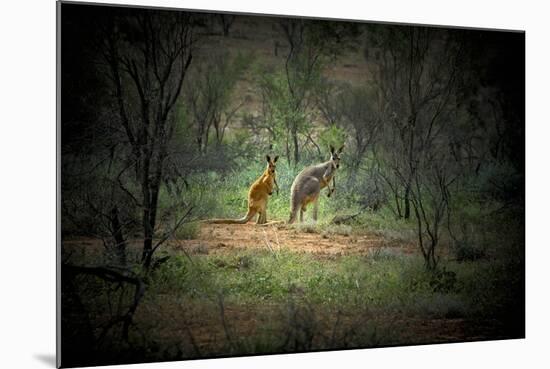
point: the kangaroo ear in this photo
(268, 158)
(276, 158)
(331, 149)
(340, 149)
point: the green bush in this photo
(188, 231)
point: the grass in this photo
(389, 282)
(228, 198)
(256, 301)
(284, 301)
(385, 280)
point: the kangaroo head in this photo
(335, 156)
(271, 164)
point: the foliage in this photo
(332, 135)
(432, 168)
(209, 95)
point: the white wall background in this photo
(27, 167)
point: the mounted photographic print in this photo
(236, 185)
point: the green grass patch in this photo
(383, 281)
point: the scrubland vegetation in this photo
(422, 242)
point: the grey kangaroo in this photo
(308, 185)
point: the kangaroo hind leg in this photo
(262, 217)
(302, 211)
(292, 218)
(315, 208)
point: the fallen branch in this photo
(340, 219)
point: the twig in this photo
(277, 239)
(172, 231)
(268, 245)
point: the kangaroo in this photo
(308, 185)
(257, 196)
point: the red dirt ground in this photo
(223, 239)
(229, 238)
(203, 323)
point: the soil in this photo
(202, 322)
(216, 239)
(231, 238)
(197, 324)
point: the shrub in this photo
(443, 280)
(440, 305)
(383, 253)
(337, 229)
(188, 231)
(464, 251)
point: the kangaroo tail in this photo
(242, 220)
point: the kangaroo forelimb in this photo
(330, 190)
(276, 185)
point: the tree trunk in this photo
(296, 146)
(200, 143)
(146, 220)
(120, 246)
(407, 202)
(398, 205)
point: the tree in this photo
(209, 95)
(226, 21)
(291, 92)
(362, 118)
(147, 55)
(419, 79)
(416, 76)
